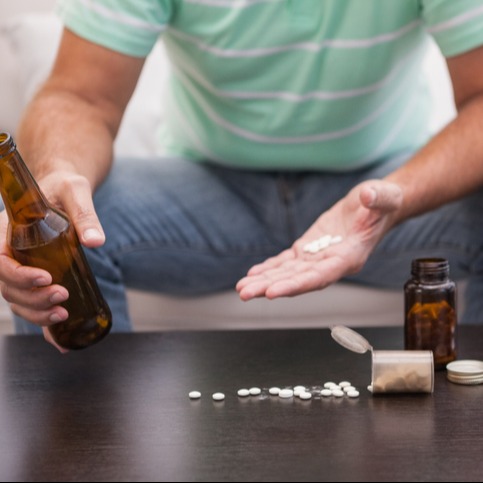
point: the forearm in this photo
(60, 131)
(449, 167)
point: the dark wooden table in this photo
(120, 411)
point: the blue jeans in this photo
(178, 227)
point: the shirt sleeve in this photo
(456, 25)
(131, 27)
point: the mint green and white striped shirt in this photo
(288, 84)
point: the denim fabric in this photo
(182, 228)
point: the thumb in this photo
(79, 206)
(381, 195)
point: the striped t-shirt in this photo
(288, 84)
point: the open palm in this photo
(361, 219)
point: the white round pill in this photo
(338, 393)
(326, 392)
(297, 390)
(369, 387)
(243, 392)
(194, 394)
(353, 393)
(335, 239)
(344, 384)
(218, 396)
(285, 393)
(255, 391)
(330, 385)
(305, 395)
(274, 391)
(349, 388)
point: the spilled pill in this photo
(285, 393)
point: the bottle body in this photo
(430, 310)
(41, 236)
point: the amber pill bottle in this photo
(40, 235)
(430, 310)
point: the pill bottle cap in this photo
(468, 372)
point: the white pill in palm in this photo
(194, 394)
(321, 243)
(218, 396)
(335, 239)
(255, 391)
(243, 392)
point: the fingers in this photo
(29, 292)
(291, 279)
(272, 262)
(37, 305)
(48, 337)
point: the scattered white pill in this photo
(326, 392)
(285, 393)
(255, 391)
(329, 385)
(338, 393)
(353, 393)
(194, 394)
(305, 395)
(349, 388)
(218, 396)
(243, 392)
(297, 390)
(344, 384)
(369, 387)
(274, 391)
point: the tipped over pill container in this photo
(393, 371)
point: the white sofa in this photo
(28, 38)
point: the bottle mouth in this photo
(4, 137)
(429, 265)
(6, 143)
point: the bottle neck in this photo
(23, 200)
(430, 270)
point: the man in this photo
(286, 121)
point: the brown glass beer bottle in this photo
(40, 235)
(430, 310)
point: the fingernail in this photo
(92, 234)
(57, 297)
(41, 282)
(55, 318)
(373, 199)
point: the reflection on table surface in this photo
(120, 411)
